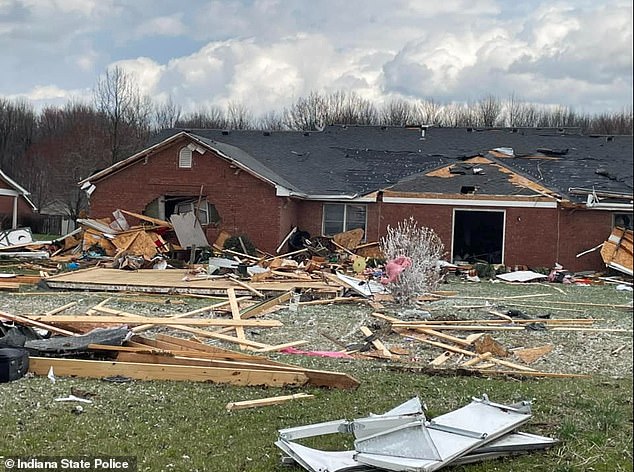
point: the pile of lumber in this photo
(169, 357)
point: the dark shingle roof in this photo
(355, 160)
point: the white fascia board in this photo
(466, 202)
(281, 191)
(14, 184)
(355, 198)
(9, 193)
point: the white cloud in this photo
(267, 53)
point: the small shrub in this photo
(424, 248)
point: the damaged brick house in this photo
(511, 196)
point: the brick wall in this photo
(246, 204)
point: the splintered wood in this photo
(484, 354)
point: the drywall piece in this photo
(188, 230)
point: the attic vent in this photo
(185, 158)
(306, 133)
(609, 138)
(514, 130)
(467, 189)
(225, 133)
(266, 133)
(469, 130)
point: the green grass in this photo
(184, 426)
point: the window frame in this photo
(345, 221)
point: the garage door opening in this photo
(478, 236)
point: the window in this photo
(623, 220)
(185, 158)
(206, 212)
(343, 217)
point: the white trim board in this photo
(472, 203)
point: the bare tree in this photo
(489, 109)
(166, 114)
(428, 112)
(349, 108)
(126, 111)
(397, 112)
(308, 113)
(238, 116)
(211, 117)
(271, 121)
(17, 128)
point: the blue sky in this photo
(267, 53)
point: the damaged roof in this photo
(350, 161)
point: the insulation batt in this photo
(394, 267)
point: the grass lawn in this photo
(183, 426)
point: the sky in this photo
(265, 54)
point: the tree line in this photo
(50, 150)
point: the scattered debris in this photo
(405, 439)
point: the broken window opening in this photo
(622, 220)
(340, 217)
(478, 236)
(165, 206)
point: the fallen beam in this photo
(118, 320)
(99, 369)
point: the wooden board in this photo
(170, 281)
(119, 320)
(265, 401)
(99, 369)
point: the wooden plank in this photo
(145, 327)
(446, 337)
(441, 359)
(448, 347)
(317, 378)
(149, 219)
(99, 369)
(235, 313)
(262, 306)
(375, 342)
(220, 336)
(234, 279)
(279, 347)
(422, 325)
(129, 320)
(164, 341)
(60, 309)
(477, 360)
(37, 324)
(265, 401)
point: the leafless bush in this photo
(424, 248)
